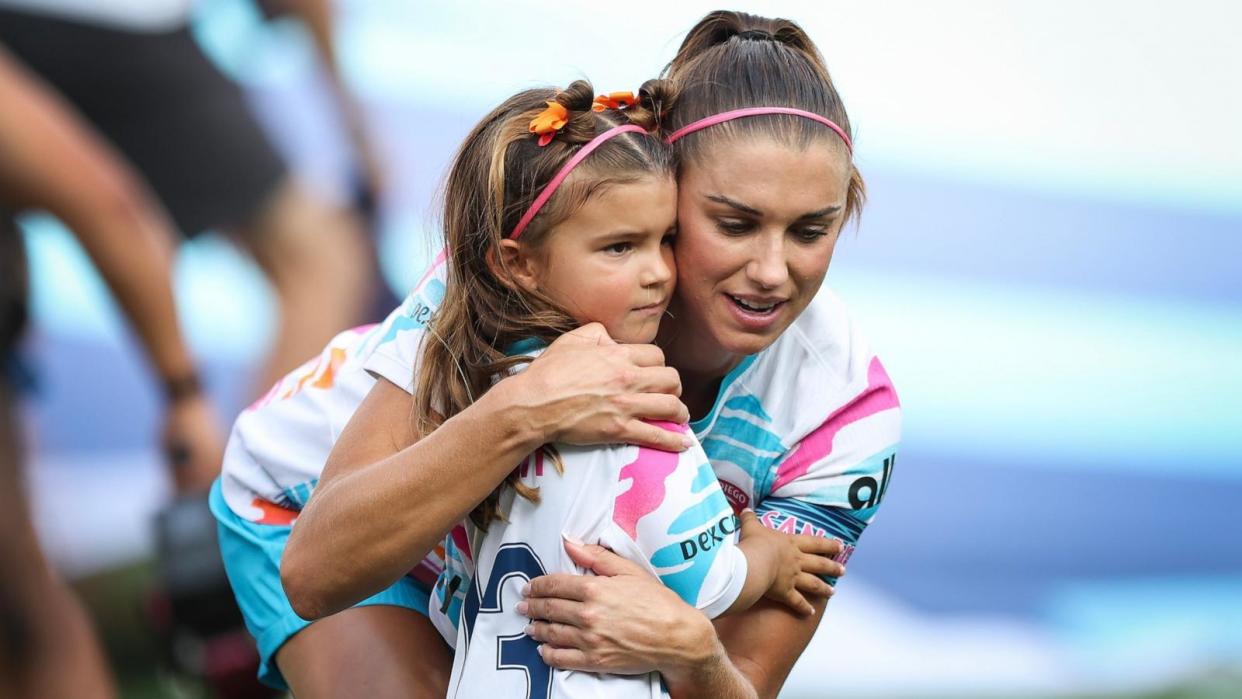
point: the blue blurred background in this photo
(1049, 264)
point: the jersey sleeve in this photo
(675, 518)
(395, 354)
(832, 482)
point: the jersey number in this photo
(517, 652)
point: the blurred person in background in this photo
(51, 161)
(136, 74)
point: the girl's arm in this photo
(385, 500)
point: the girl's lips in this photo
(651, 308)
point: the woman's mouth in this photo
(755, 313)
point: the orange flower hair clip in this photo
(613, 100)
(549, 122)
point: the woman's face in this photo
(757, 223)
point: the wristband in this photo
(184, 387)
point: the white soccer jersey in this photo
(664, 511)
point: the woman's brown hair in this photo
(734, 60)
(496, 174)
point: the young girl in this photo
(558, 214)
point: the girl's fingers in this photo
(818, 545)
(795, 601)
(809, 584)
(819, 565)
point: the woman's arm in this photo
(385, 500)
(624, 621)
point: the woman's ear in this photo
(514, 265)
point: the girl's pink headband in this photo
(758, 111)
(581, 155)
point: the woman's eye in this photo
(733, 225)
(811, 233)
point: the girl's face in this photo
(757, 223)
(612, 261)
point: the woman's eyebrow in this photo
(826, 211)
(722, 199)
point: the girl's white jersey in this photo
(663, 511)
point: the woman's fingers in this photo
(643, 355)
(552, 609)
(564, 586)
(654, 379)
(565, 658)
(809, 584)
(589, 334)
(644, 434)
(601, 561)
(558, 635)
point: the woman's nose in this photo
(768, 268)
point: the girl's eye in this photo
(733, 226)
(669, 238)
(619, 248)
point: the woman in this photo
(797, 415)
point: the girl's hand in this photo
(817, 557)
(587, 389)
(794, 561)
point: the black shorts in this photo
(162, 103)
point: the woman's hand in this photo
(587, 389)
(621, 621)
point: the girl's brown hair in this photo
(734, 60)
(496, 174)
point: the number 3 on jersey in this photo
(519, 651)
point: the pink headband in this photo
(757, 111)
(581, 155)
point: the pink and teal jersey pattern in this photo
(664, 511)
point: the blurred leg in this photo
(49, 648)
(377, 652)
(320, 263)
